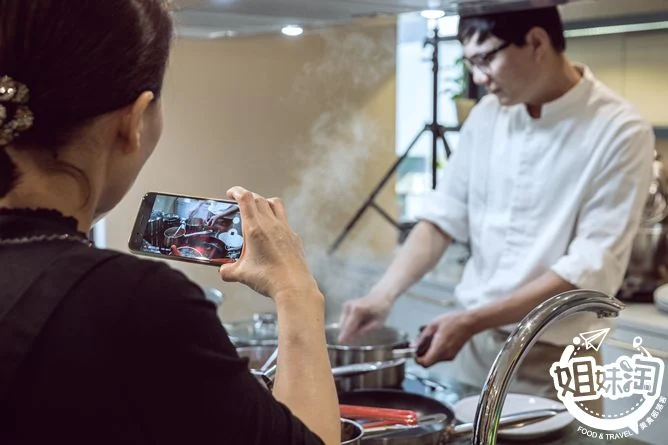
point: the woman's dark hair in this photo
(79, 59)
(513, 26)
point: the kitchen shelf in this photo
(661, 132)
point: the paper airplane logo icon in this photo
(593, 339)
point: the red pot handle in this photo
(400, 416)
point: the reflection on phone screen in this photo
(200, 229)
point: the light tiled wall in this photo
(635, 65)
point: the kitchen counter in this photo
(453, 391)
(643, 317)
(434, 295)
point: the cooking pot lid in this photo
(385, 336)
(262, 329)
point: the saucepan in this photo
(381, 345)
(262, 364)
(434, 422)
(261, 361)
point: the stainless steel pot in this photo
(648, 254)
(351, 432)
(262, 329)
(264, 371)
(648, 264)
(383, 344)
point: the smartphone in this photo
(188, 228)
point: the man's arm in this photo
(419, 254)
(444, 218)
(451, 331)
(515, 307)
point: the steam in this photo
(330, 184)
(336, 150)
(351, 60)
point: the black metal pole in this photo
(437, 133)
(434, 123)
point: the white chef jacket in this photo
(563, 192)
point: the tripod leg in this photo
(434, 158)
(374, 193)
(385, 215)
(448, 152)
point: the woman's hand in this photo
(272, 261)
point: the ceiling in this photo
(209, 19)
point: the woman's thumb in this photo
(228, 272)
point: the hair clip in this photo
(15, 116)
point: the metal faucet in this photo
(520, 341)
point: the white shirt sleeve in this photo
(610, 214)
(447, 206)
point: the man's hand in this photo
(363, 315)
(448, 334)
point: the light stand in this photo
(437, 134)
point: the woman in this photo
(102, 347)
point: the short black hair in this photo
(513, 26)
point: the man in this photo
(546, 188)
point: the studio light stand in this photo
(437, 134)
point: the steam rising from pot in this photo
(336, 154)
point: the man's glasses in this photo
(482, 61)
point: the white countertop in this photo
(643, 317)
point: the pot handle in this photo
(271, 361)
(364, 368)
(400, 416)
(266, 379)
(429, 383)
(517, 420)
(404, 353)
(389, 426)
(413, 352)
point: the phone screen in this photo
(187, 228)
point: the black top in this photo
(135, 354)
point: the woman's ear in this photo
(133, 122)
